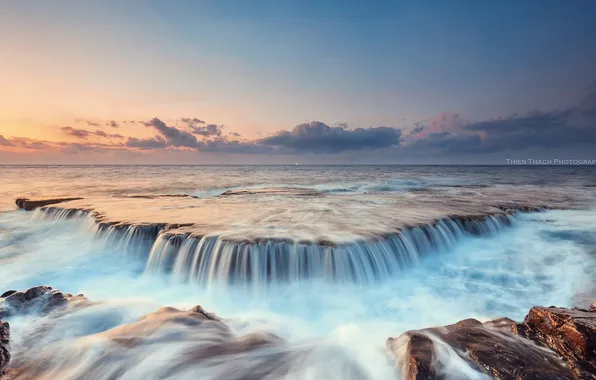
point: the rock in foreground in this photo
(469, 347)
(551, 343)
(77, 339)
(571, 333)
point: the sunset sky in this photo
(207, 82)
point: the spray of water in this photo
(328, 331)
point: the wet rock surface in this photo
(39, 299)
(262, 213)
(30, 205)
(4, 346)
(551, 343)
(571, 333)
(190, 343)
(486, 348)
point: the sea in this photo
(333, 300)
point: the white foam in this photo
(542, 261)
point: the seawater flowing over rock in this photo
(97, 341)
(571, 333)
(88, 343)
(469, 348)
(34, 300)
(216, 259)
(551, 343)
(272, 235)
(213, 259)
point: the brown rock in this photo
(571, 333)
(30, 204)
(488, 348)
(419, 356)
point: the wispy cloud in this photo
(447, 134)
(157, 142)
(207, 130)
(83, 133)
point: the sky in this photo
(283, 81)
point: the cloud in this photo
(318, 137)
(108, 135)
(144, 144)
(83, 133)
(223, 145)
(27, 143)
(80, 133)
(418, 128)
(193, 120)
(5, 142)
(88, 122)
(536, 130)
(207, 130)
(448, 135)
(571, 127)
(76, 148)
(112, 124)
(174, 136)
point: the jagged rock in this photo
(37, 299)
(30, 204)
(488, 348)
(4, 349)
(571, 333)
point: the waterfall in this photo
(135, 240)
(57, 213)
(214, 259)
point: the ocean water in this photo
(333, 326)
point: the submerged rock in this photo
(41, 299)
(571, 333)
(183, 342)
(30, 204)
(100, 342)
(4, 348)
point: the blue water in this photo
(546, 258)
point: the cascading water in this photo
(331, 324)
(135, 240)
(57, 214)
(213, 259)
